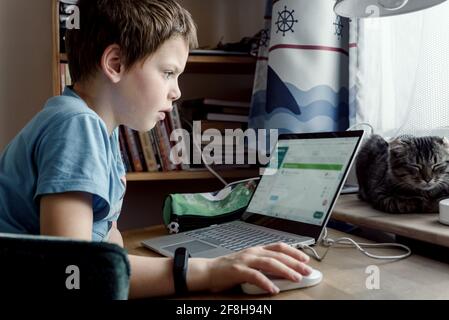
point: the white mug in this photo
(444, 211)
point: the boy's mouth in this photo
(168, 109)
(162, 114)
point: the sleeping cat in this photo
(409, 174)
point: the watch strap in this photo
(180, 264)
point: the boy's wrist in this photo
(198, 274)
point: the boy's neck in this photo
(96, 99)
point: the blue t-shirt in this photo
(66, 147)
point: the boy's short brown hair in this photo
(139, 27)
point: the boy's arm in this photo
(154, 276)
(71, 215)
(67, 215)
(115, 236)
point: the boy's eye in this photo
(168, 74)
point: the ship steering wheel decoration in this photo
(339, 26)
(285, 21)
(264, 38)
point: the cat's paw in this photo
(403, 205)
(413, 205)
(431, 207)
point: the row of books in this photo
(218, 110)
(150, 151)
(219, 115)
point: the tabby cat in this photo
(409, 174)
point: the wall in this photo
(25, 63)
(229, 20)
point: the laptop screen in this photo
(310, 172)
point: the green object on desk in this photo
(188, 211)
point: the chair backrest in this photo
(50, 267)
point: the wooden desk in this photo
(344, 270)
(422, 226)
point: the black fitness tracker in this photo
(180, 263)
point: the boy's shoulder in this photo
(67, 105)
(65, 115)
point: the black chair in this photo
(49, 267)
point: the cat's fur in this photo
(409, 174)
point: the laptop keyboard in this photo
(237, 237)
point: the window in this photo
(400, 73)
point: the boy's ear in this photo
(111, 63)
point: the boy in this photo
(63, 174)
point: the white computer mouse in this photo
(283, 284)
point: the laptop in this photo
(292, 204)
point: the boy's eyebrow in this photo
(175, 68)
(178, 70)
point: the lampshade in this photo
(380, 8)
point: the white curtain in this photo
(399, 73)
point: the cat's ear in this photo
(446, 143)
(397, 144)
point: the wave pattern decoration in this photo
(286, 123)
(318, 115)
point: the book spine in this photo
(166, 145)
(124, 151)
(68, 79)
(227, 103)
(160, 147)
(227, 117)
(139, 148)
(176, 118)
(170, 125)
(133, 149)
(157, 153)
(62, 70)
(148, 152)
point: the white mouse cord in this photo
(327, 242)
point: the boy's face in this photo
(147, 91)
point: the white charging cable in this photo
(345, 241)
(212, 170)
(202, 157)
(361, 124)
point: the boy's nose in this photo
(175, 94)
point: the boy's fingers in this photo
(289, 250)
(274, 267)
(290, 261)
(257, 278)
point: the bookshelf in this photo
(221, 64)
(190, 175)
(196, 64)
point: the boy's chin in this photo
(147, 126)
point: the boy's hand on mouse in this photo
(249, 265)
